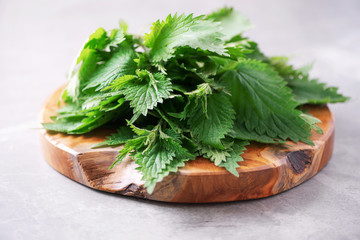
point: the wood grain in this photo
(265, 171)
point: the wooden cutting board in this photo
(265, 171)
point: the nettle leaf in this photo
(312, 121)
(157, 153)
(85, 64)
(306, 90)
(120, 82)
(211, 119)
(117, 36)
(102, 101)
(146, 91)
(131, 145)
(121, 63)
(165, 155)
(215, 154)
(310, 91)
(181, 156)
(239, 131)
(181, 30)
(97, 40)
(144, 137)
(227, 157)
(231, 162)
(80, 124)
(263, 103)
(232, 22)
(152, 161)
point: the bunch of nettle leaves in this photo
(192, 86)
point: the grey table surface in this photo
(38, 41)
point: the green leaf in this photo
(102, 101)
(97, 40)
(310, 91)
(165, 155)
(232, 22)
(117, 36)
(120, 82)
(64, 126)
(142, 131)
(306, 90)
(240, 131)
(227, 157)
(144, 138)
(312, 121)
(231, 162)
(85, 64)
(215, 154)
(121, 63)
(181, 156)
(157, 153)
(153, 160)
(211, 119)
(130, 146)
(80, 124)
(181, 30)
(122, 135)
(145, 92)
(264, 105)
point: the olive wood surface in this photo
(265, 171)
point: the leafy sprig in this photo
(191, 86)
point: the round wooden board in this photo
(265, 171)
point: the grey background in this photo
(38, 41)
